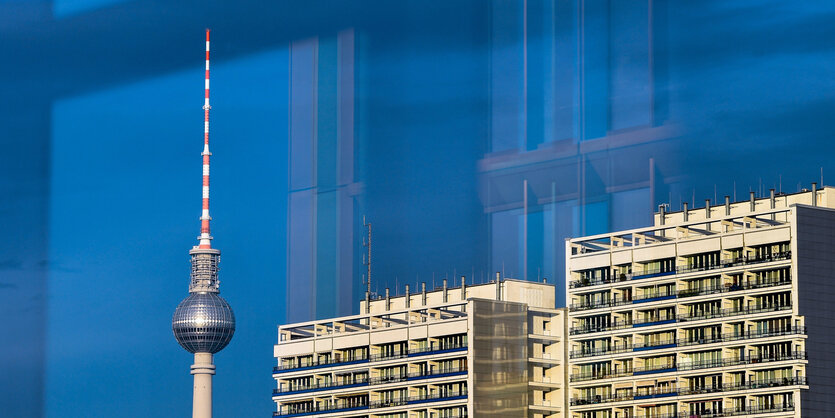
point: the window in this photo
(703, 334)
(702, 261)
(452, 341)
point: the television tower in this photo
(203, 322)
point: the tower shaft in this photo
(203, 369)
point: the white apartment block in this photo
(487, 350)
(725, 310)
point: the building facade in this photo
(494, 349)
(717, 311)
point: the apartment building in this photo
(487, 350)
(724, 310)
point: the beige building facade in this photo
(724, 310)
(487, 350)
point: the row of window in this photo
(703, 261)
(701, 333)
(690, 287)
(739, 405)
(377, 352)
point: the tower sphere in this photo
(203, 323)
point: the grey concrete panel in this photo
(815, 260)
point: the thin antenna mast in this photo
(367, 263)
(205, 232)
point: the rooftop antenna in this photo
(367, 244)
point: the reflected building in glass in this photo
(475, 151)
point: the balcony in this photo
(687, 390)
(286, 411)
(294, 389)
(410, 400)
(455, 371)
(435, 349)
(733, 412)
(726, 412)
(719, 313)
(726, 263)
(685, 293)
(681, 366)
(687, 342)
(318, 364)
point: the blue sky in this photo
(124, 211)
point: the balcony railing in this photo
(408, 400)
(318, 364)
(293, 389)
(288, 389)
(718, 313)
(733, 412)
(740, 261)
(680, 366)
(684, 293)
(450, 371)
(687, 342)
(434, 349)
(312, 409)
(688, 390)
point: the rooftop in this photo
(755, 213)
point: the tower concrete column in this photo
(203, 369)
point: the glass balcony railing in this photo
(655, 345)
(645, 274)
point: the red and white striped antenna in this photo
(205, 236)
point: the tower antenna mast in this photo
(367, 263)
(205, 230)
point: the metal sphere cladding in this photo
(203, 323)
